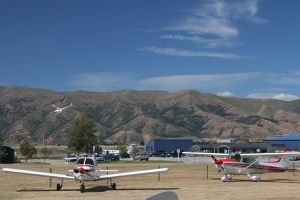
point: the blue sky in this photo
(242, 48)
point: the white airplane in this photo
(248, 163)
(85, 169)
(59, 110)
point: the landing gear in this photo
(82, 188)
(59, 186)
(254, 178)
(114, 186)
(226, 178)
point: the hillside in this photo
(135, 116)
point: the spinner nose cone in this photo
(81, 170)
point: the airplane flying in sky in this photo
(85, 169)
(59, 110)
(248, 163)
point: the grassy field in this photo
(188, 181)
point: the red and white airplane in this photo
(248, 163)
(85, 169)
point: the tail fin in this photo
(280, 162)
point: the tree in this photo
(45, 152)
(98, 149)
(134, 151)
(81, 137)
(27, 150)
(123, 150)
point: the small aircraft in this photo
(59, 110)
(85, 169)
(248, 163)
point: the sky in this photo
(239, 48)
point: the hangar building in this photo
(168, 145)
(290, 141)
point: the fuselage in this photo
(86, 169)
(233, 166)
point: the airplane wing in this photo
(106, 170)
(132, 173)
(37, 173)
(255, 155)
(206, 154)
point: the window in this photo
(80, 161)
(89, 161)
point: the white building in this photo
(114, 151)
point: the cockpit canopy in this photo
(85, 161)
(235, 156)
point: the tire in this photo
(114, 186)
(82, 188)
(58, 187)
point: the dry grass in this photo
(188, 181)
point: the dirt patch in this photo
(188, 181)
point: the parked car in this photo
(159, 154)
(111, 157)
(99, 157)
(70, 158)
(175, 154)
(125, 155)
(141, 156)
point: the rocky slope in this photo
(135, 116)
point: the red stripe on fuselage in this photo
(259, 167)
(87, 165)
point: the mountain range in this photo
(131, 116)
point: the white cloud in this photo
(225, 94)
(208, 43)
(121, 81)
(200, 81)
(291, 78)
(297, 72)
(280, 96)
(105, 81)
(215, 20)
(188, 53)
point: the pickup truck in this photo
(142, 156)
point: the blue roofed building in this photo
(290, 141)
(168, 145)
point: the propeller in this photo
(217, 162)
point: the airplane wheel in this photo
(58, 187)
(82, 188)
(114, 186)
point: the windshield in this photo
(89, 161)
(234, 156)
(80, 161)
